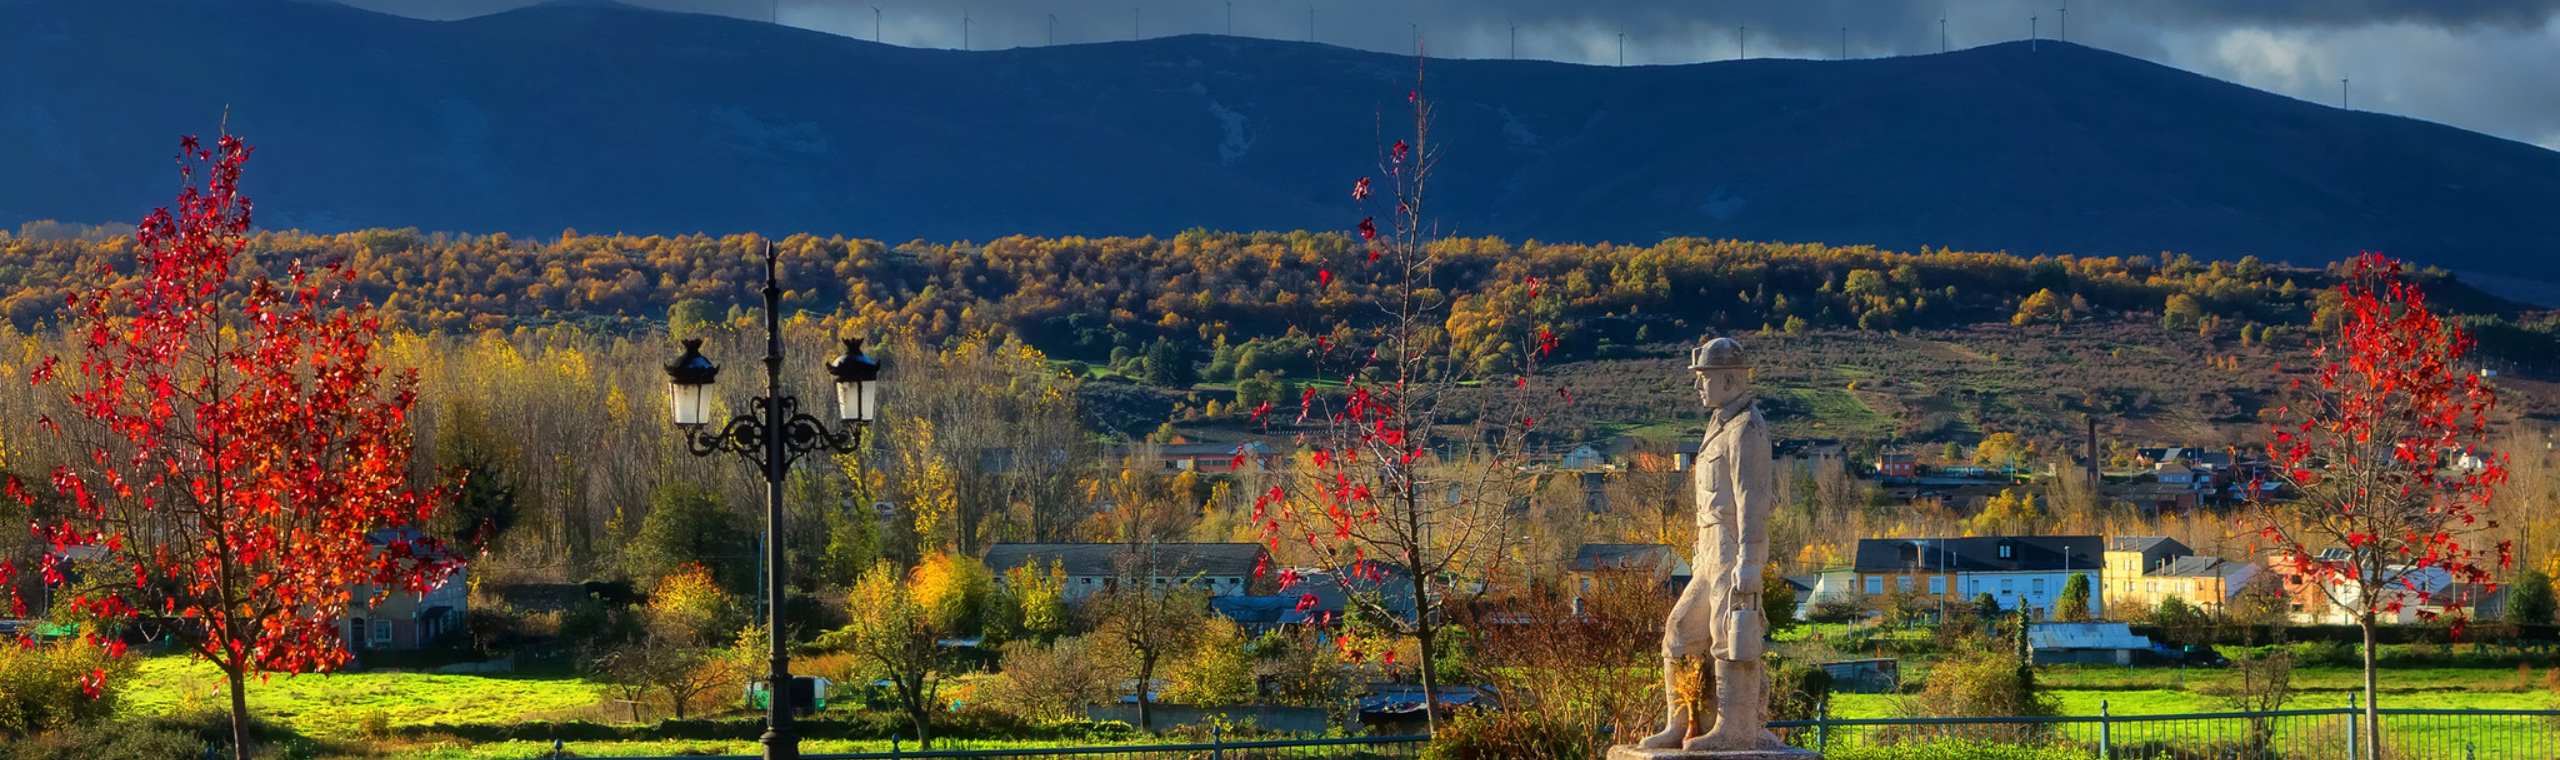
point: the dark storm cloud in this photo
(2479, 64)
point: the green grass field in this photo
(335, 710)
(337, 706)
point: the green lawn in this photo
(1832, 409)
(2433, 736)
(336, 706)
(521, 750)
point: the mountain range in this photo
(601, 118)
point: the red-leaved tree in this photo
(2387, 479)
(241, 468)
(1412, 465)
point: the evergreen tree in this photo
(2074, 604)
(2529, 601)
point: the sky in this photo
(2488, 65)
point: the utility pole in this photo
(875, 24)
(1622, 48)
(2342, 93)
(1515, 41)
(1311, 22)
(2062, 31)
(1053, 29)
(964, 30)
(1133, 24)
(773, 12)
(1844, 43)
(1415, 28)
(2031, 33)
(1942, 34)
(1741, 43)
(1231, 18)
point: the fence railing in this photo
(2315, 734)
(2335, 733)
(1349, 748)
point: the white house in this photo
(406, 621)
(2417, 589)
(1583, 457)
(2016, 571)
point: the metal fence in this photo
(2336, 733)
(2318, 734)
(1353, 748)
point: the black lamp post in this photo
(771, 437)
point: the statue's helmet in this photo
(1717, 354)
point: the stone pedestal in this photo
(1624, 752)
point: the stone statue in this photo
(1718, 615)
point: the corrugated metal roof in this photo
(1091, 560)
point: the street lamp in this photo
(772, 436)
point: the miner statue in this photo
(1718, 615)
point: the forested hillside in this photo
(1080, 298)
(1869, 344)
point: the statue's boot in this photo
(1742, 722)
(1675, 720)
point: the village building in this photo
(2016, 571)
(1213, 457)
(1655, 564)
(402, 621)
(1223, 569)
(2143, 570)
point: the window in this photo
(1875, 584)
(382, 631)
(1902, 582)
(2008, 585)
(1937, 584)
(2036, 586)
(2008, 552)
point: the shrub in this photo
(1475, 734)
(2330, 653)
(1796, 689)
(1052, 682)
(691, 607)
(1218, 671)
(1835, 610)
(123, 740)
(2530, 601)
(1990, 684)
(40, 687)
